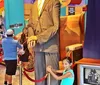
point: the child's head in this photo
(67, 62)
(25, 32)
(9, 33)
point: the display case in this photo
(88, 71)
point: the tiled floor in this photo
(25, 81)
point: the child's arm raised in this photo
(57, 71)
(68, 74)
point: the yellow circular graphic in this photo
(65, 2)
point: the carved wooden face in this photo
(65, 2)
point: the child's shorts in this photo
(11, 66)
(24, 57)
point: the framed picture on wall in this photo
(71, 10)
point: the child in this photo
(24, 58)
(10, 46)
(68, 75)
(27, 59)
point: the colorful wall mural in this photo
(71, 21)
(71, 24)
(64, 6)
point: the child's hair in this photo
(10, 35)
(68, 58)
(0, 16)
(23, 37)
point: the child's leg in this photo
(5, 82)
(10, 79)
